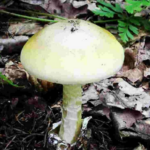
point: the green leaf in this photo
(127, 23)
(104, 3)
(141, 21)
(135, 21)
(122, 24)
(103, 13)
(116, 8)
(129, 34)
(146, 24)
(4, 78)
(124, 37)
(133, 29)
(107, 9)
(136, 5)
(121, 29)
(106, 12)
(126, 29)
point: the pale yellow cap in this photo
(72, 52)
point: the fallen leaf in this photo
(130, 58)
(89, 94)
(143, 129)
(140, 35)
(78, 4)
(133, 75)
(33, 2)
(143, 53)
(136, 98)
(127, 88)
(24, 28)
(99, 111)
(65, 9)
(13, 72)
(115, 92)
(124, 118)
(147, 72)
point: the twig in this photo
(33, 134)
(9, 142)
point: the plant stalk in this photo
(36, 13)
(105, 21)
(27, 17)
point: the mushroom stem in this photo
(71, 113)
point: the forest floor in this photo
(116, 111)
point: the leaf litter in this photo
(116, 111)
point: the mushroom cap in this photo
(72, 52)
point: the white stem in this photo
(71, 113)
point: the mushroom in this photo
(72, 52)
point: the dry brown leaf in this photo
(145, 85)
(128, 69)
(65, 8)
(147, 72)
(143, 129)
(130, 58)
(130, 123)
(13, 72)
(132, 97)
(125, 118)
(140, 34)
(33, 2)
(129, 62)
(24, 28)
(143, 54)
(99, 111)
(133, 75)
(119, 93)
(78, 4)
(89, 94)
